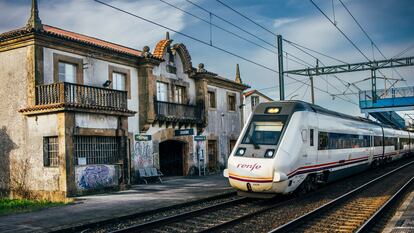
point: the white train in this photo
(292, 146)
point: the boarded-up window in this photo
(96, 150)
(231, 102)
(212, 99)
(50, 152)
(212, 154)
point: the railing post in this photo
(61, 92)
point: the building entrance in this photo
(171, 158)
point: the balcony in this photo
(70, 96)
(180, 113)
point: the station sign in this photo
(143, 137)
(199, 138)
(184, 132)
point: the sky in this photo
(388, 23)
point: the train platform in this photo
(94, 208)
(403, 219)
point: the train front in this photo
(251, 165)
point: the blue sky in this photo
(389, 23)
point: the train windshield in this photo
(263, 132)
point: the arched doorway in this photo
(171, 157)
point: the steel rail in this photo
(170, 219)
(93, 225)
(379, 213)
(337, 201)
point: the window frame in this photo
(124, 71)
(183, 94)
(77, 62)
(254, 103)
(214, 92)
(231, 95)
(47, 152)
(167, 85)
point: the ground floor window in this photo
(96, 150)
(212, 154)
(50, 152)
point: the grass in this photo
(11, 206)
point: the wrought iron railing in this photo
(178, 111)
(80, 95)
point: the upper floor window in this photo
(67, 72)
(231, 102)
(119, 81)
(162, 91)
(67, 69)
(171, 68)
(180, 94)
(212, 99)
(255, 101)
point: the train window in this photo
(378, 141)
(311, 137)
(264, 133)
(323, 141)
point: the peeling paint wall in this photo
(224, 124)
(95, 177)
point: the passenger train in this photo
(292, 146)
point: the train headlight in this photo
(240, 151)
(269, 153)
(272, 110)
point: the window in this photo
(255, 101)
(96, 150)
(378, 141)
(212, 154)
(67, 69)
(311, 137)
(212, 99)
(332, 141)
(50, 152)
(180, 94)
(231, 102)
(264, 133)
(171, 63)
(67, 72)
(118, 81)
(162, 91)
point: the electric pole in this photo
(280, 59)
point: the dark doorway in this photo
(171, 158)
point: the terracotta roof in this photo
(90, 40)
(160, 48)
(251, 92)
(54, 31)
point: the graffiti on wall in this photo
(142, 154)
(96, 176)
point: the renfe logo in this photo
(249, 166)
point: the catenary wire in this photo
(205, 43)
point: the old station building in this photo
(80, 114)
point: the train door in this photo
(371, 146)
(312, 142)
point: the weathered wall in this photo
(95, 121)
(95, 73)
(95, 177)
(224, 124)
(14, 73)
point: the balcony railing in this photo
(178, 112)
(81, 96)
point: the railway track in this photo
(357, 210)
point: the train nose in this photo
(248, 176)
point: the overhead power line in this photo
(205, 43)
(244, 16)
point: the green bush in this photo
(8, 206)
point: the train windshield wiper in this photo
(256, 146)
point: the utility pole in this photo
(374, 85)
(280, 59)
(312, 90)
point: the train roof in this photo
(290, 106)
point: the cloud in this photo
(94, 19)
(284, 21)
